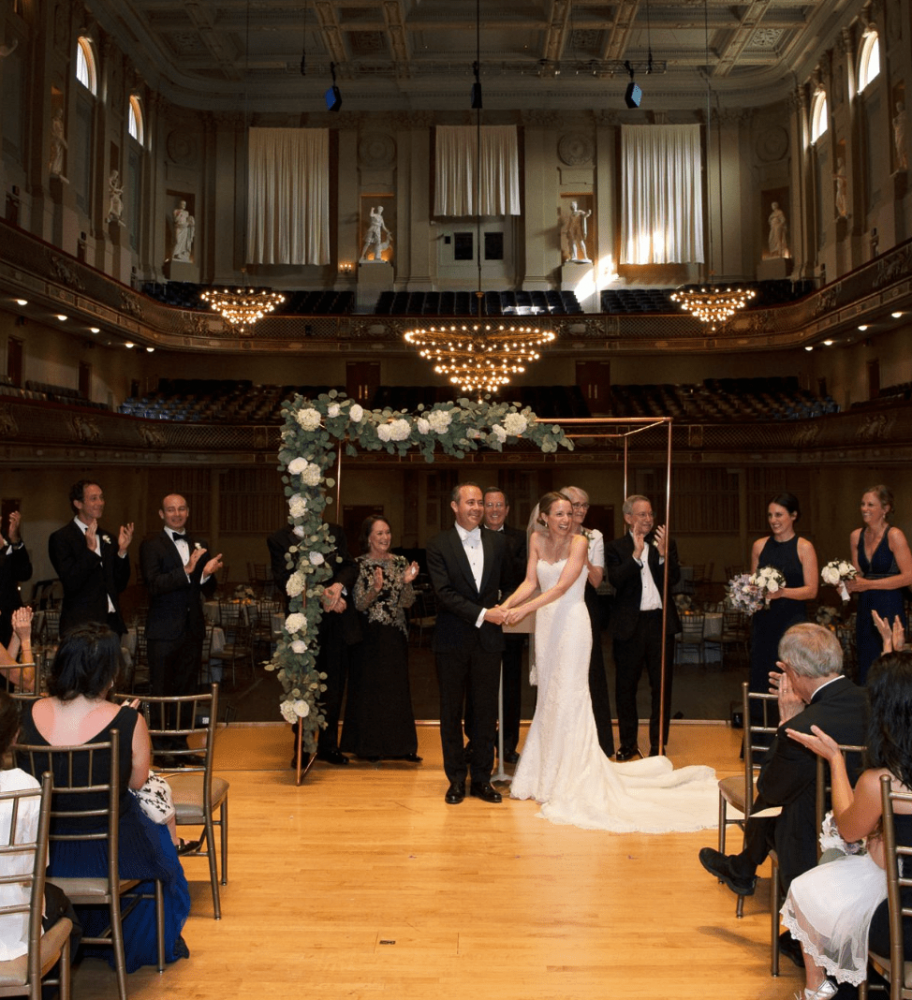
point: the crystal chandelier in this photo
(242, 308)
(479, 357)
(713, 306)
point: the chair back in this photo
(899, 972)
(692, 625)
(25, 818)
(755, 746)
(86, 799)
(824, 786)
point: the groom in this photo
(468, 570)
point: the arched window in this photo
(868, 59)
(85, 65)
(819, 115)
(135, 119)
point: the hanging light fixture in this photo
(709, 303)
(479, 356)
(242, 308)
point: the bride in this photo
(562, 766)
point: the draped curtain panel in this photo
(457, 159)
(288, 196)
(662, 194)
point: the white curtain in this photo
(661, 194)
(288, 196)
(498, 191)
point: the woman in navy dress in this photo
(796, 559)
(78, 712)
(880, 554)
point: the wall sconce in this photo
(347, 267)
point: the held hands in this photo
(124, 537)
(495, 615)
(515, 615)
(333, 599)
(893, 636)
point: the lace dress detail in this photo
(397, 595)
(562, 765)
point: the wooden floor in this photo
(363, 883)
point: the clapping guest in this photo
(881, 556)
(15, 568)
(379, 720)
(20, 674)
(78, 713)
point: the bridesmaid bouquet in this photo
(835, 572)
(742, 595)
(768, 580)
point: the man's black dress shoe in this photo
(454, 794)
(413, 758)
(511, 757)
(483, 790)
(627, 753)
(789, 947)
(720, 865)
(332, 757)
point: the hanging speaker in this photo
(633, 95)
(333, 99)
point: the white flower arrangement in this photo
(836, 572)
(313, 432)
(768, 580)
(295, 584)
(742, 595)
(826, 616)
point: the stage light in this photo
(634, 94)
(333, 96)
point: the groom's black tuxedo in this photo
(638, 634)
(88, 580)
(175, 627)
(467, 655)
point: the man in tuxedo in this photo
(15, 568)
(94, 569)
(812, 691)
(468, 570)
(496, 510)
(178, 573)
(637, 564)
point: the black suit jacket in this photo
(517, 557)
(175, 602)
(15, 568)
(87, 579)
(459, 600)
(345, 624)
(624, 576)
(788, 776)
(278, 543)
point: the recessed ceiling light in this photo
(809, 348)
(895, 315)
(129, 343)
(61, 317)
(21, 302)
(863, 327)
(829, 343)
(94, 329)
(150, 349)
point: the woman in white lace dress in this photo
(830, 908)
(562, 765)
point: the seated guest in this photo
(14, 926)
(21, 676)
(76, 713)
(812, 691)
(829, 908)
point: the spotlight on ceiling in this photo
(634, 94)
(333, 95)
(94, 329)
(21, 302)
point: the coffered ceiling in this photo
(418, 54)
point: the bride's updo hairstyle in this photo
(885, 495)
(548, 501)
(790, 502)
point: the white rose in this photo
(294, 585)
(499, 433)
(297, 465)
(308, 418)
(301, 708)
(316, 559)
(297, 505)
(311, 476)
(423, 426)
(298, 530)
(296, 622)
(288, 712)
(333, 410)
(299, 646)
(772, 586)
(830, 575)
(515, 424)
(383, 432)
(400, 429)
(356, 413)
(440, 420)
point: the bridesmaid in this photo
(598, 680)
(880, 554)
(796, 559)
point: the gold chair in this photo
(691, 637)
(197, 793)
(888, 965)
(97, 800)
(823, 789)
(24, 862)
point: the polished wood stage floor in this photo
(363, 883)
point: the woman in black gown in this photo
(379, 720)
(797, 561)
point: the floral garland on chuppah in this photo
(313, 429)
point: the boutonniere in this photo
(106, 539)
(197, 545)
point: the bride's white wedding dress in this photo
(562, 765)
